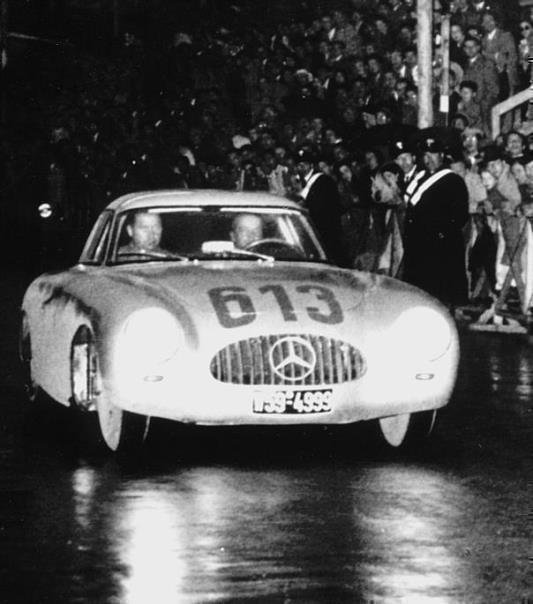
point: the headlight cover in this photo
(422, 333)
(148, 338)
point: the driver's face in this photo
(246, 229)
(145, 232)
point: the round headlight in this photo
(423, 333)
(149, 337)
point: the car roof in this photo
(199, 197)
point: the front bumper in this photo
(183, 395)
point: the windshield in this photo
(187, 233)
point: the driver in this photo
(246, 229)
(145, 232)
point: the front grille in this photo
(300, 359)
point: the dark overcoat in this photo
(324, 205)
(434, 250)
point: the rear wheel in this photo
(33, 392)
(407, 430)
(100, 421)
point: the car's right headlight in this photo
(422, 333)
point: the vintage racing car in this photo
(172, 312)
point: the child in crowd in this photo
(495, 202)
(469, 104)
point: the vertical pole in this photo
(3, 61)
(530, 106)
(444, 105)
(424, 13)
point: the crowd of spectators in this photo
(230, 97)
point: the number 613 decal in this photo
(234, 306)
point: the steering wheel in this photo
(275, 247)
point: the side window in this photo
(96, 246)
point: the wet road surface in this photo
(275, 516)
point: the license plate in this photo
(292, 401)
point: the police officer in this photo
(404, 154)
(437, 211)
(321, 197)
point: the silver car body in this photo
(241, 341)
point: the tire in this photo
(123, 432)
(406, 431)
(99, 422)
(31, 389)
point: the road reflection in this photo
(410, 517)
(276, 520)
(380, 533)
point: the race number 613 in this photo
(234, 306)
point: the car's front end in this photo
(284, 345)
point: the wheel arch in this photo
(83, 367)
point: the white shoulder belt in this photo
(415, 196)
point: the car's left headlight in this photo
(422, 333)
(148, 338)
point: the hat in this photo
(431, 145)
(492, 153)
(455, 154)
(305, 74)
(392, 167)
(304, 155)
(461, 116)
(400, 146)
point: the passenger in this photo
(145, 232)
(246, 229)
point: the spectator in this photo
(346, 33)
(404, 155)
(525, 45)
(529, 172)
(501, 171)
(472, 140)
(457, 39)
(387, 185)
(500, 46)
(482, 70)
(459, 122)
(474, 12)
(495, 200)
(469, 106)
(519, 172)
(477, 193)
(410, 106)
(515, 146)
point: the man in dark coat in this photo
(437, 211)
(482, 70)
(320, 195)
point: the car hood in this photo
(192, 285)
(225, 301)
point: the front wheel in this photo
(122, 431)
(406, 430)
(100, 420)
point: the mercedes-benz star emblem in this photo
(292, 358)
